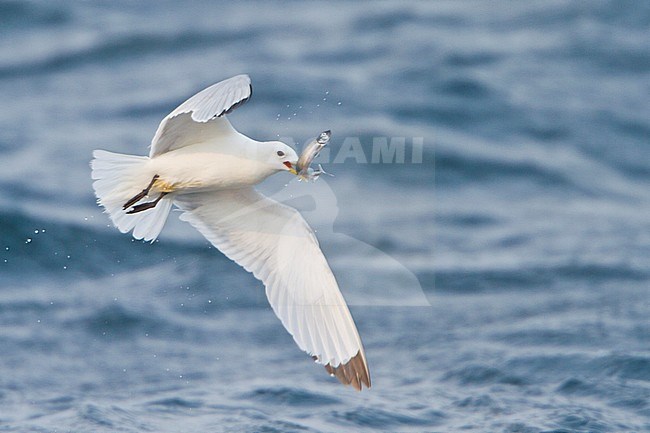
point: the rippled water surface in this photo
(500, 284)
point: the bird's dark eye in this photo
(280, 153)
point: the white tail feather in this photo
(119, 177)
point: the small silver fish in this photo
(310, 152)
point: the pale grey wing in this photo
(275, 243)
(202, 117)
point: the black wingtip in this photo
(236, 104)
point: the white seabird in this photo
(201, 164)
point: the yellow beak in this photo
(290, 167)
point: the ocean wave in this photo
(172, 404)
(18, 15)
(588, 368)
(575, 386)
(116, 321)
(31, 246)
(386, 419)
(477, 374)
(531, 277)
(624, 366)
(106, 50)
(456, 168)
(290, 397)
(471, 59)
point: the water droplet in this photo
(28, 240)
(338, 103)
(35, 232)
(327, 92)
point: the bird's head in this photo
(284, 157)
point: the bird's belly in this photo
(201, 171)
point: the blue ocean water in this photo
(500, 284)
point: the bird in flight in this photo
(199, 163)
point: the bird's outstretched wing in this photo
(274, 242)
(202, 116)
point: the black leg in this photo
(147, 205)
(140, 195)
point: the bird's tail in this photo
(117, 179)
